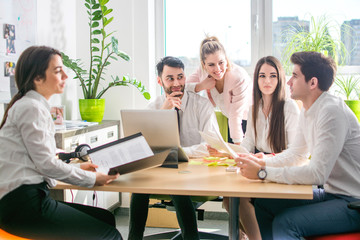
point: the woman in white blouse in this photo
(28, 165)
(270, 126)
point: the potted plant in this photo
(317, 39)
(348, 86)
(103, 50)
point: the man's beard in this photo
(169, 91)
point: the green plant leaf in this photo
(103, 2)
(87, 6)
(103, 8)
(109, 34)
(317, 38)
(96, 17)
(96, 6)
(108, 11)
(97, 13)
(108, 21)
(124, 56)
(95, 24)
(146, 95)
(106, 46)
(96, 32)
(348, 85)
(95, 40)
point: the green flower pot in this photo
(92, 110)
(354, 105)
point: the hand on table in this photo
(102, 179)
(215, 153)
(249, 165)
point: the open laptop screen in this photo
(159, 127)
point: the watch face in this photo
(262, 174)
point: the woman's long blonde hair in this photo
(211, 45)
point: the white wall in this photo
(56, 28)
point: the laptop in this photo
(159, 127)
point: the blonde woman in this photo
(228, 86)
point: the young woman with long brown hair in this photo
(270, 126)
(28, 165)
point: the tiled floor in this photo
(207, 225)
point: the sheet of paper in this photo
(122, 153)
(228, 149)
(216, 141)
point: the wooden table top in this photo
(199, 180)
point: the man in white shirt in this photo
(330, 132)
(195, 114)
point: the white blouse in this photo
(27, 148)
(291, 113)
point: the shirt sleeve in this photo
(207, 123)
(33, 124)
(194, 79)
(326, 150)
(292, 113)
(240, 95)
(249, 140)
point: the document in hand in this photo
(125, 155)
(216, 141)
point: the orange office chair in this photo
(341, 236)
(7, 236)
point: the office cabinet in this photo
(94, 135)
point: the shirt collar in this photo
(35, 95)
(316, 105)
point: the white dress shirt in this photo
(291, 114)
(27, 148)
(330, 131)
(196, 114)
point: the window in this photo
(336, 15)
(252, 29)
(188, 22)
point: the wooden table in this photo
(201, 180)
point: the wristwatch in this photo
(262, 173)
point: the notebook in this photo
(126, 155)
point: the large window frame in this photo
(261, 28)
(261, 33)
